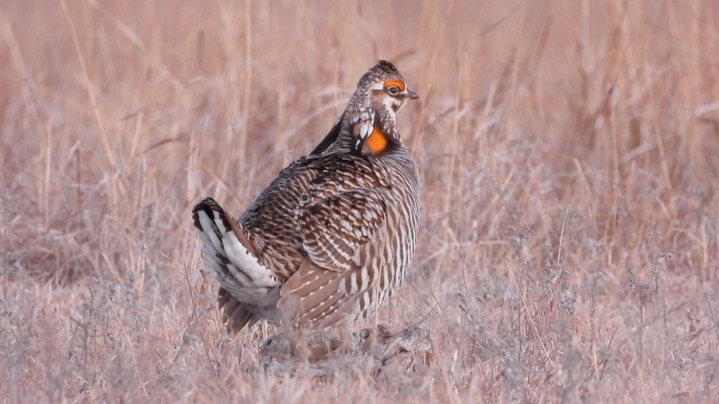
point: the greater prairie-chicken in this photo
(331, 237)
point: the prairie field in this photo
(569, 154)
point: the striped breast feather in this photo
(334, 228)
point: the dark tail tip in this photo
(207, 205)
(210, 206)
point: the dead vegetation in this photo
(569, 156)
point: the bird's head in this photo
(371, 112)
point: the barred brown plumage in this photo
(332, 236)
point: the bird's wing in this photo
(340, 215)
(333, 229)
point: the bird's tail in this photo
(229, 254)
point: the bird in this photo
(331, 237)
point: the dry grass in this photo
(569, 152)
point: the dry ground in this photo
(569, 152)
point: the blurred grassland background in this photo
(569, 152)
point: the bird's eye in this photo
(393, 90)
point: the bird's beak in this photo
(412, 94)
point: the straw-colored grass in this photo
(569, 152)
